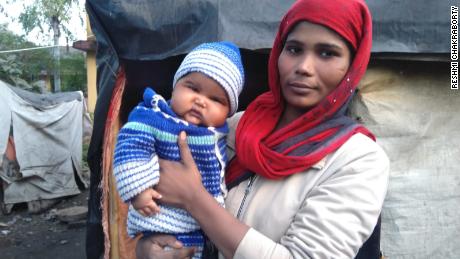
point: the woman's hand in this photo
(154, 247)
(180, 186)
(179, 181)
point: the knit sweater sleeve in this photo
(136, 165)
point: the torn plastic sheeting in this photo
(48, 141)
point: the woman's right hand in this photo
(153, 247)
(180, 181)
(180, 186)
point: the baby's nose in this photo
(200, 102)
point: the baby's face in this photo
(200, 100)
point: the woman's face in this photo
(313, 61)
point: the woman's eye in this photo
(327, 53)
(293, 49)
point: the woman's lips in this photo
(301, 88)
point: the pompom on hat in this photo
(220, 61)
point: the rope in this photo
(26, 49)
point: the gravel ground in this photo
(43, 235)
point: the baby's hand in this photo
(144, 202)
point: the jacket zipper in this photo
(246, 192)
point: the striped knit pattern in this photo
(151, 133)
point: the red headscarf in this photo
(324, 128)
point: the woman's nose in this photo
(306, 65)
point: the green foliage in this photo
(20, 68)
(9, 39)
(11, 71)
(24, 67)
(46, 16)
(73, 73)
(30, 19)
(31, 61)
(10, 64)
(10, 68)
(41, 14)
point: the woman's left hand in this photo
(179, 181)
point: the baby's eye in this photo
(217, 100)
(192, 87)
(220, 100)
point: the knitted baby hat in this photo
(220, 61)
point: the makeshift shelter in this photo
(41, 137)
(405, 99)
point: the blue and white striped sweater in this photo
(151, 133)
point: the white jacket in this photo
(328, 211)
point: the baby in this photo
(206, 87)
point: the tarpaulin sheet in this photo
(47, 132)
(152, 30)
(414, 114)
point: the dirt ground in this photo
(43, 235)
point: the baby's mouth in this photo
(195, 113)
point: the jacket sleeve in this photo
(338, 215)
(232, 125)
(135, 165)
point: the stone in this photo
(72, 214)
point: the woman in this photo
(306, 181)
